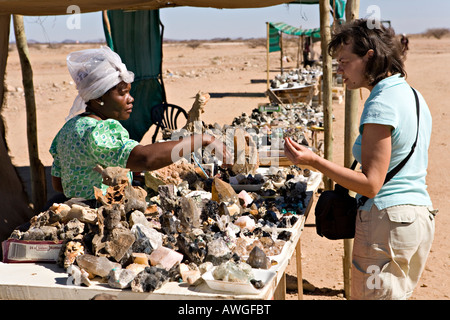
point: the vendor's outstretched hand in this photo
(297, 153)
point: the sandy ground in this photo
(226, 71)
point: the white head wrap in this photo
(95, 71)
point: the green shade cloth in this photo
(275, 28)
(137, 37)
(274, 38)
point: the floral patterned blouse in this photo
(81, 144)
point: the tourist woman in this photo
(395, 226)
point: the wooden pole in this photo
(334, 15)
(5, 21)
(298, 253)
(325, 36)
(106, 21)
(350, 134)
(38, 181)
(281, 51)
(268, 49)
(301, 50)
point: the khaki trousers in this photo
(390, 249)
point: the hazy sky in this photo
(182, 23)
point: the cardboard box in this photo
(16, 251)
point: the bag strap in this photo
(397, 168)
(394, 171)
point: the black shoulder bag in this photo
(336, 209)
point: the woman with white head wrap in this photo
(92, 134)
(95, 71)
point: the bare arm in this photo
(57, 184)
(157, 155)
(375, 153)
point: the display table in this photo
(293, 95)
(46, 281)
(34, 281)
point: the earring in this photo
(101, 103)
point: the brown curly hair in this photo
(387, 58)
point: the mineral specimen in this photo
(121, 278)
(83, 214)
(258, 284)
(34, 234)
(58, 212)
(245, 222)
(189, 214)
(205, 267)
(140, 258)
(50, 217)
(284, 235)
(137, 217)
(72, 230)
(113, 216)
(232, 210)
(241, 245)
(169, 223)
(77, 276)
(150, 279)
(269, 246)
(173, 174)
(165, 258)
(223, 192)
(114, 239)
(193, 251)
(230, 271)
(41, 233)
(147, 238)
(72, 250)
(134, 199)
(136, 267)
(246, 198)
(168, 197)
(246, 158)
(113, 176)
(99, 266)
(218, 251)
(210, 209)
(258, 259)
(120, 191)
(119, 242)
(190, 273)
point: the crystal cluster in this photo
(233, 272)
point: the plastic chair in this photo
(165, 115)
